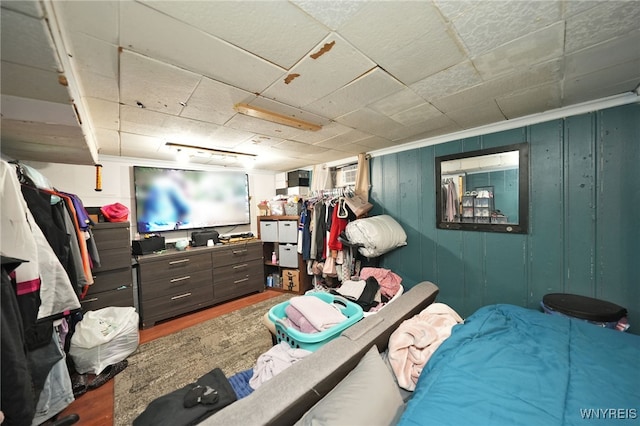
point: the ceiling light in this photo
(200, 149)
(274, 117)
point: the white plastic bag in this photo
(104, 337)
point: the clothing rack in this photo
(347, 191)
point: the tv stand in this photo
(177, 282)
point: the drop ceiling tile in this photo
(177, 43)
(615, 51)
(108, 141)
(605, 82)
(33, 83)
(104, 114)
(279, 32)
(338, 65)
(343, 139)
(372, 86)
(477, 115)
(530, 101)
(328, 131)
(414, 131)
(299, 147)
(451, 9)
(502, 86)
(371, 121)
(416, 114)
(332, 13)
(95, 18)
(400, 101)
(26, 40)
(25, 109)
(375, 142)
(93, 55)
(600, 23)
(27, 7)
(213, 101)
(157, 85)
(98, 86)
(139, 143)
(448, 82)
(490, 26)
(539, 46)
(263, 127)
(572, 8)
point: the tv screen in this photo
(175, 199)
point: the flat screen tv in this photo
(176, 199)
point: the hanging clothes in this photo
(452, 201)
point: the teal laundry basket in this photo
(313, 341)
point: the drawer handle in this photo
(181, 296)
(175, 280)
(239, 251)
(286, 224)
(241, 281)
(175, 262)
(93, 299)
(244, 265)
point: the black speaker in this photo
(147, 245)
(200, 238)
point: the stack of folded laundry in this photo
(309, 314)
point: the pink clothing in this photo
(388, 281)
(299, 321)
(416, 339)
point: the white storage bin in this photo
(269, 231)
(287, 231)
(288, 256)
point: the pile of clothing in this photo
(372, 289)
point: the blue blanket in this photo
(514, 366)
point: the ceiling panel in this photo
(157, 85)
(255, 26)
(372, 86)
(26, 40)
(172, 41)
(332, 64)
(374, 75)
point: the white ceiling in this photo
(373, 74)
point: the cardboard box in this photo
(291, 279)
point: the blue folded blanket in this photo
(240, 383)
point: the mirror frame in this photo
(522, 227)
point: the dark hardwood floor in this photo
(96, 406)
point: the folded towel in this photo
(416, 339)
(301, 323)
(321, 315)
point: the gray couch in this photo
(284, 399)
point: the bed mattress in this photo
(509, 365)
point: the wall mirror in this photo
(485, 190)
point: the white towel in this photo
(321, 315)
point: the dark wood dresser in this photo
(176, 282)
(112, 281)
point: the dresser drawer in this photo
(230, 289)
(175, 304)
(174, 266)
(237, 253)
(112, 237)
(113, 259)
(238, 271)
(111, 280)
(119, 297)
(175, 282)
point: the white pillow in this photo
(367, 396)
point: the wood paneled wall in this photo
(584, 213)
